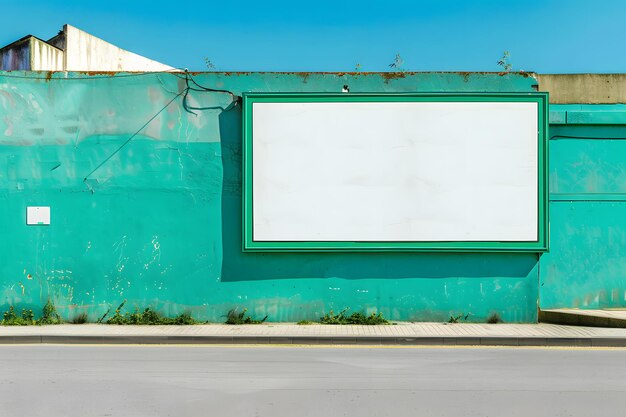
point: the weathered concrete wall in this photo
(159, 223)
(584, 88)
(85, 52)
(45, 57)
(16, 55)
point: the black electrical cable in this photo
(133, 135)
(187, 108)
(186, 76)
(201, 88)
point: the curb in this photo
(313, 340)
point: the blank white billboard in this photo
(395, 171)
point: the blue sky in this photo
(561, 36)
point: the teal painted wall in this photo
(586, 266)
(159, 224)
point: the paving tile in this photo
(608, 342)
(278, 340)
(565, 341)
(426, 341)
(450, 340)
(369, 340)
(342, 340)
(244, 340)
(387, 340)
(214, 340)
(19, 339)
(616, 322)
(140, 340)
(468, 341)
(305, 341)
(71, 339)
(532, 341)
(499, 341)
(183, 340)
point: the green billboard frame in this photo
(540, 245)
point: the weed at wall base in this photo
(147, 317)
(233, 317)
(494, 318)
(49, 315)
(457, 318)
(10, 318)
(354, 318)
(81, 318)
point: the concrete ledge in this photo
(589, 318)
(314, 340)
(584, 88)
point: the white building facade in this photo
(73, 50)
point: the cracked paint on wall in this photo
(159, 224)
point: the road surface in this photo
(57, 380)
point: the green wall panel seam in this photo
(558, 197)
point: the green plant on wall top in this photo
(504, 62)
(209, 64)
(397, 64)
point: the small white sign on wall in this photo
(37, 215)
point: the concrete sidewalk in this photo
(400, 334)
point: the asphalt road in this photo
(49, 380)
